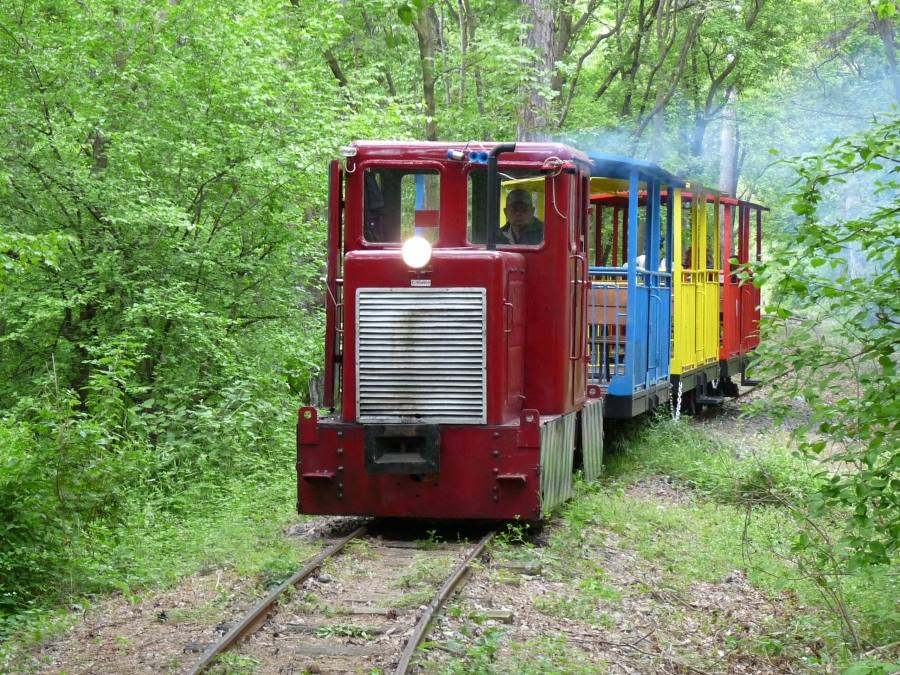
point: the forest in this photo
(162, 239)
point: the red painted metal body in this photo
(553, 268)
(731, 314)
(500, 272)
(332, 298)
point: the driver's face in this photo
(519, 214)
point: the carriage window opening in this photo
(651, 246)
(522, 207)
(755, 250)
(600, 227)
(612, 220)
(663, 234)
(400, 203)
(712, 234)
(687, 234)
(601, 233)
(643, 227)
(735, 229)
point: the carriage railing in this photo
(607, 322)
(609, 339)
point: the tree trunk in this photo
(463, 48)
(470, 25)
(437, 20)
(665, 95)
(657, 140)
(885, 28)
(425, 33)
(728, 173)
(534, 111)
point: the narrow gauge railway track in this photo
(371, 609)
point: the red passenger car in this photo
(742, 242)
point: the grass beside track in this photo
(238, 527)
(731, 516)
(740, 515)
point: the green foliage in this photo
(871, 668)
(832, 337)
(581, 608)
(161, 201)
(479, 658)
(716, 528)
(231, 663)
(766, 476)
(233, 528)
(430, 542)
(346, 630)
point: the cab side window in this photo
(521, 207)
(400, 203)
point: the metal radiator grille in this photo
(421, 355)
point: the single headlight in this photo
(416, 252)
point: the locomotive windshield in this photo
(521, 207)
(400, 203)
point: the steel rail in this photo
(260, 612)
(449, 586)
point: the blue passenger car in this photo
(630, 305)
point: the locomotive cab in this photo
(455, 333)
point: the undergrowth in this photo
(237, 525)
(740, 513)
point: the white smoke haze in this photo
(770, 127)
(800, 116)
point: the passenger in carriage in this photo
(522, 227)
(687, 263)
(641, 260)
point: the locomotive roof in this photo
(438, 150)
(602, 188)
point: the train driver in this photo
(522, 227)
